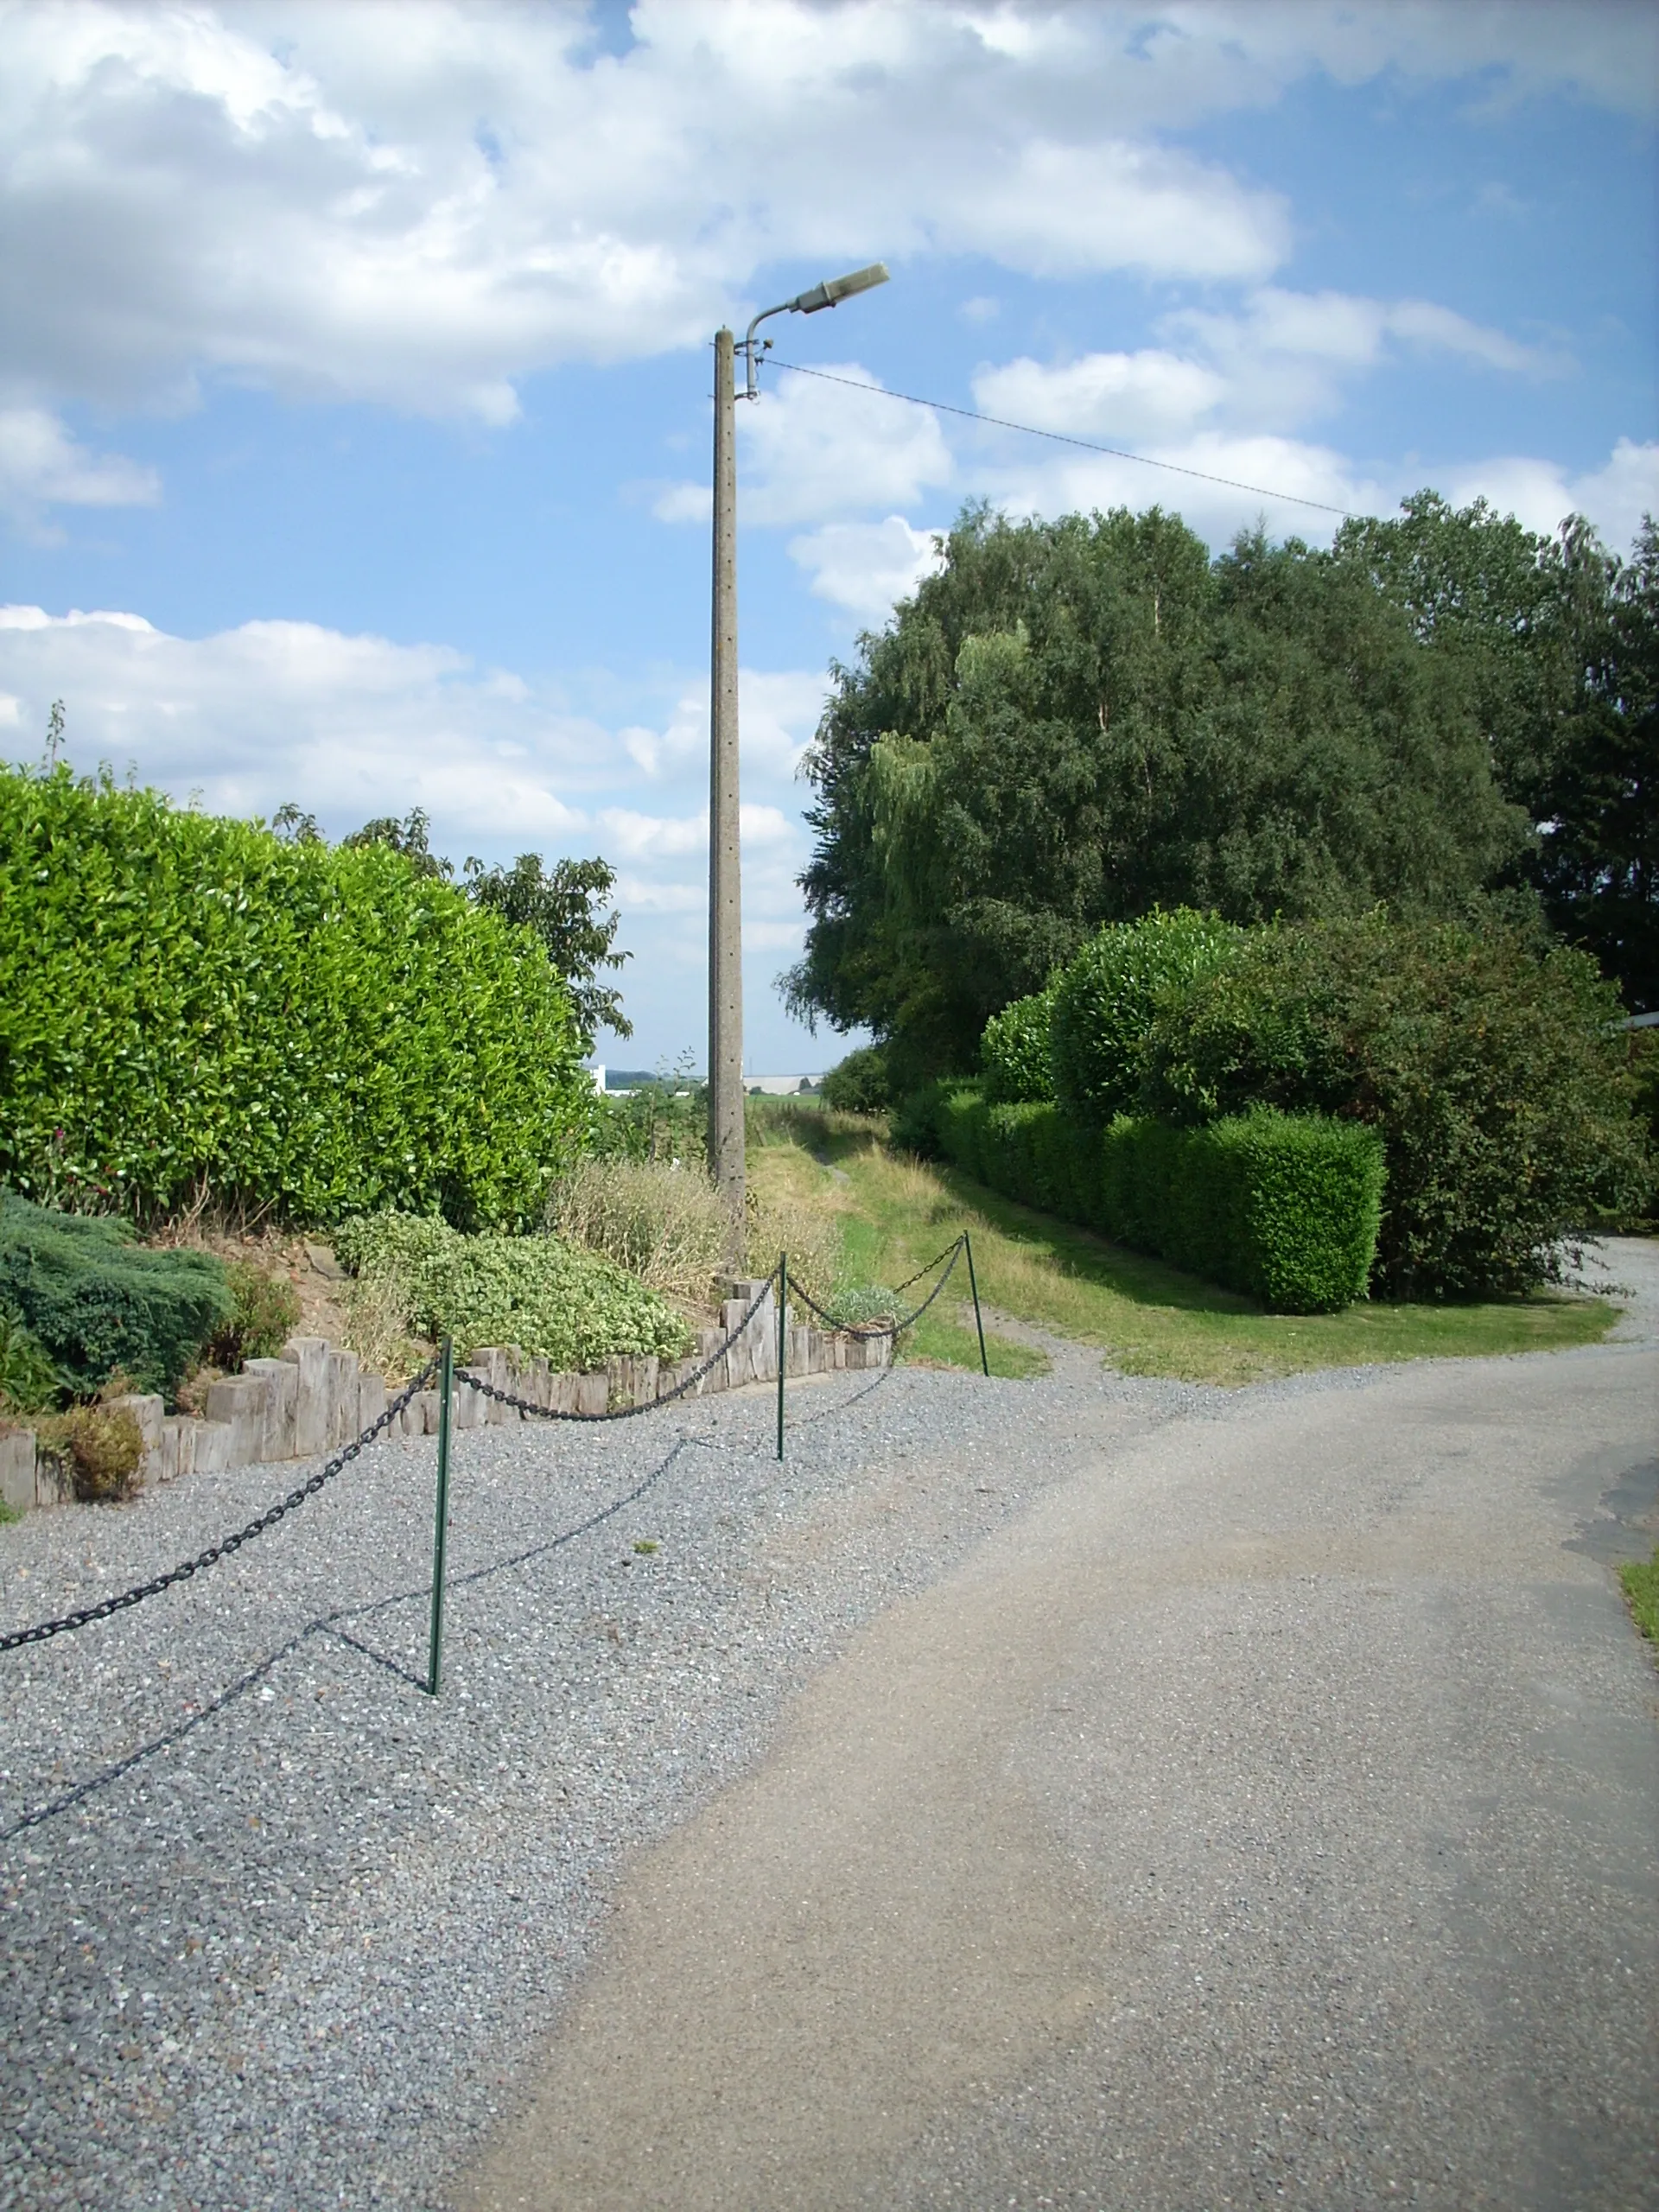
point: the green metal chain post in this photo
(973, 1285)
(446, 1394)
(783, 1340)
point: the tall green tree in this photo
(1076, 721)
(1553, 645)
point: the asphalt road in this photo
(1270, 1816)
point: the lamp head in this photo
(839, 287)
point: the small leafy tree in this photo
(858, 1084)
(562, 905)
(410, 837)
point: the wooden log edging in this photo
(315, 1397)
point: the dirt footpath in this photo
(1271, 1815)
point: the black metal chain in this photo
(624, 1412)
(939, 1259)
(43, 1629)
(886, 1328)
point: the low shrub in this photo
(1485, 1058)
(860, 1084)
(1105, 1000)
(663, 1223)
(913, 1124)
(1014, 1051)
(29, 1380)
(264, 1313)
(96, 1301)
(574, 1308)
(1284, 1208)
(664, 1120)
(101, 1447)
(861, 1304)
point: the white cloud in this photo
(350, 726)
(1292, 468)
(1104, 394)
(418, 205)
(810, 449)
(1285, 356)
(41, 466)
(866, 567)
(347, 726)
(1543, 494)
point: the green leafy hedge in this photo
(1282, 1207)
(1106, 998)
(186, 999)
(98, 1302)
(1014, 1051)
(1487, 1059)
(550, 1299)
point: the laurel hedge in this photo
(1487, 1059)
(190, 1002)
(1014, 1051)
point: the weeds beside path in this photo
(895, 1213)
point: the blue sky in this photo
(354, 366)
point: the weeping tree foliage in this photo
(1075, 721)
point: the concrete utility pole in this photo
(725, 891)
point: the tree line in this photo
(1075, 721)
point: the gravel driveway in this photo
(1385, 1725)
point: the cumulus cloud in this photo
(866, 568)
(1543, 494)
(1102, 395)
(1285, 356)
(421, 205)
(348, 727)
(808, 448)
(41, 466)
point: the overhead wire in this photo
(1064, 438)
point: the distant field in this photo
(1148, 1319)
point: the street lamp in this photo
(725, 896)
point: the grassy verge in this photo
(1149, 1318)
(1641, 1580)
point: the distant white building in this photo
(779, 1086)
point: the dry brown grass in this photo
(666, 1225)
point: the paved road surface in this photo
(1270, 1816)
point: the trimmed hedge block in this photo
(1283, 1207)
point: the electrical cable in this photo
(1064, 438)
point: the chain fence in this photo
(891, 1328)
(42, 1630)
(440, 1367)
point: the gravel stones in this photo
(292, 1925)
